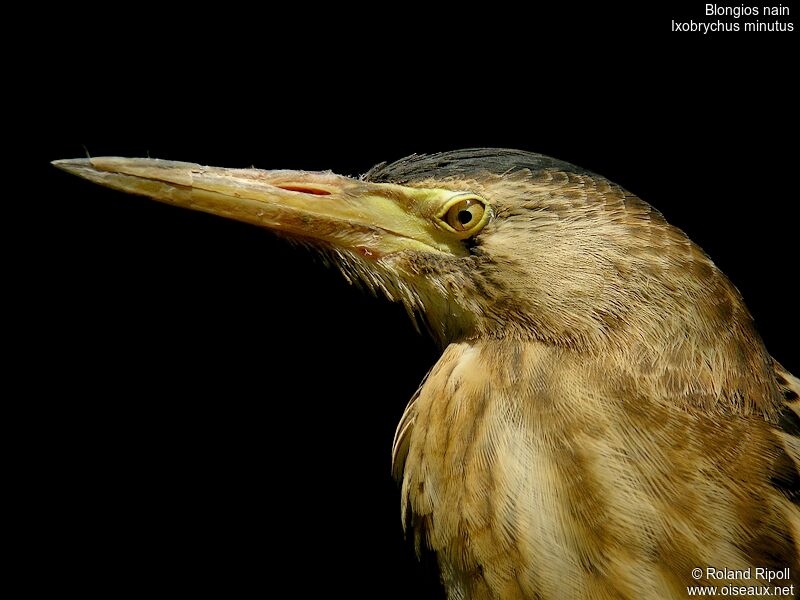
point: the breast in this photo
(530, 477)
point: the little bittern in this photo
(604, 421)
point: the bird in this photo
(604, 421)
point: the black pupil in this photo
(464, 217)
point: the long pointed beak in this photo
(368, 218)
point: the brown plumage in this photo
(604, 418)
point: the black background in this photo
(208, 409)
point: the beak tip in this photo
(72, 165)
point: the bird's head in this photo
(481, 242)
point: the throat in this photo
(491, 458)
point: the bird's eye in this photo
(465, 215)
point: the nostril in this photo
(304, 190)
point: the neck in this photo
(524, 449)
